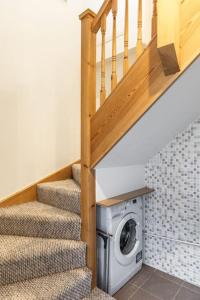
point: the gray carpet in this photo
(71, 285)
(36, 219)
(41, 255)
(63, 194)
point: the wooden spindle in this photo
(154, 19)
(114, 46)
(139, 47)
(103, 60)
(126, 32)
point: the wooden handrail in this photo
(104, 10)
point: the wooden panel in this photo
(168, 34)
(124, 197)
(29, 193)
(190, 30)
(105, 9)
(88, 109)
(137, 91)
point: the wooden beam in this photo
(88, 109)
(29, 193)
(168, 35)
(104, 10)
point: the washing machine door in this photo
(127, 239)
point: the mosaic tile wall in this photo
(172, 212)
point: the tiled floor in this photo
(151, 284)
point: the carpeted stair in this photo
(41, 255)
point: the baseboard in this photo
(29, 194)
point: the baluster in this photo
(114, 46)
(126, 31)
(139, 47)
(103, 60)
(154, 19)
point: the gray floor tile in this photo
(140, 278)
(161, 287)
(126, 292)
(192, 287)
(186, 294)
(143, 295)
(169, 277)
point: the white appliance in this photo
(119, 244)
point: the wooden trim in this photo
(168, 35)
(29, 193)
(88, 109)
(124, 197)
(142, 86)
(104, 10)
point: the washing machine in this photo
(119, 244)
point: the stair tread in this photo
(98, 294)
(24, 258)
(74, 284)
(64, 194)
(39, 219)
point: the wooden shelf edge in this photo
(125, 197)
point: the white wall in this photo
(39, 89)
(115, 181)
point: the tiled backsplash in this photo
(172, 212)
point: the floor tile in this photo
(143, 295)
(192, 287)
(126, 292)
(169, 277)
(186, 294)
(140, 278)
(161, 287)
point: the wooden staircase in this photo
(175, 44)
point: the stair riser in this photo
(76, 171)
(40, 228)
(43, 264)
(69, 201)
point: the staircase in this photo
(43, 243)
(42, 256)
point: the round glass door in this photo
(128, 237)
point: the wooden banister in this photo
(103, 60)
(154, 19)
(139, 47)
(104, 10)
(126, 33)
(114, 46)
(88, 109)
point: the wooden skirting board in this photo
(29, 193)
(124, 197)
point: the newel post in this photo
(88, 109)
(168, 34)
